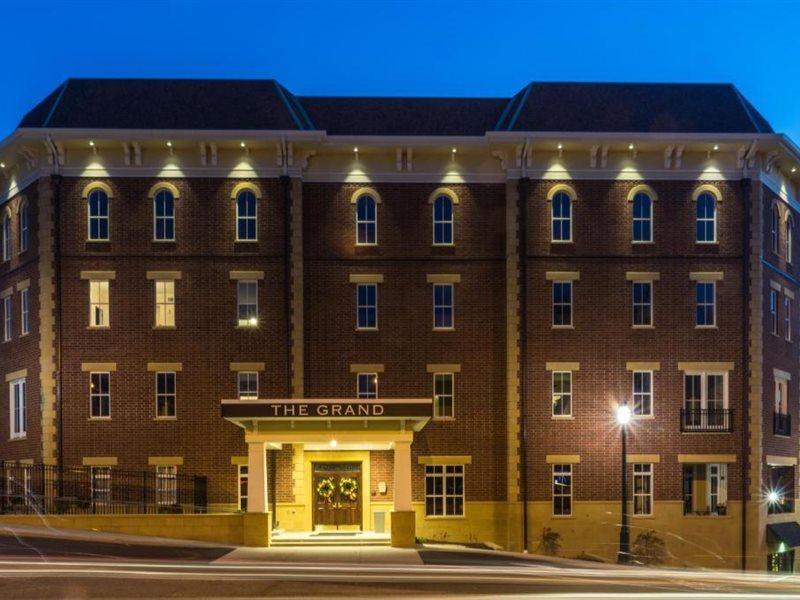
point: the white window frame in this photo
(569, 304)
(366, 307)
(642, 472)
(721, 477)
(242, 475)
(366, 222)
(781, 406)
(164, 303)
(704, 375)
(165, 219)
(247, 218)
(713, 304)
(442, 473)
(249, 321)
(713, 220)
(787, 318)
(366, 395)
(649, 396)
(635, 219)
(561, 394)
(97, 394)
(644, 305)
(446, 224)
(97, 306)
(439, 397)
(246, 377)
(24, 311)
(8, 318)
(99, 218)
(6, 236)
(561, 219)
(166, 485)
(165, 396)
(773, 227)
(24, 226)
(562, 470)
(773, 310)
(18, 409)
(444, 306)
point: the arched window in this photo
(442, 221)
(98, 215)
(163, 216)
(706, 218)
(246, 216)
(642, 218)
(6, 236)
(23, 227)
(366, 221)
(773, 228)
(562, 217)
(789, 238)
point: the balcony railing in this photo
(707, 419)
(781, 424)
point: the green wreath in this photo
(325, 489)
(348, 487)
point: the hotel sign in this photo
(326, 409)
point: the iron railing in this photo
(47, 489)
(781, 424)
(707, 419)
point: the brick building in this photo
(415, 314)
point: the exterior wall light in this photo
(333, 443)
(716, 147)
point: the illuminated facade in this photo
(415, 315)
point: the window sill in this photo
(98, 241)
(562, 417)
(643, 517)
(562, 517)
(167, 327)
(562, 326)
(98, 327)
(643, 326)
(444, 419)
(560, 242)
(642, 243)
(443, 245)
(367, 329)
(172, 241)
(165, 418)
(245, 241)
(22, 335)
(706, 243)
(254, 327)
(366, 245)
(706, 327)
(19, 438)
(99, 419)
(445, 517)
(643, 417)
(444, 329)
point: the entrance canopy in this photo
(784, 533)
(353, 422)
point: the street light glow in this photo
(623, 414)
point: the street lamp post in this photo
(623, 418)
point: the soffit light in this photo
(716, 147)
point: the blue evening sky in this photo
(406, 48)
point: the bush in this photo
(649, 549)
(549, 542)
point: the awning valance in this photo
(786, 533)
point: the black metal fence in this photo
(708, 420)
(46, 489)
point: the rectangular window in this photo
(18, 409)
(642, 303)
(242, 472)
(705, 402)
(165, 395)
(787, 318)
(773, 311)
(367, 386)
(98, 304)
(642, 393)
(444, 490)
(706, 311)
(166, 485)
(247, 383)
(100, 395)
(443, 305)
(8, 318)
(562, 490)
(705, 489)
(101, 486)
(562, 393)
(443, 395)
(562, 304)
(165, 303)
(367, 306)
(247, 303)
(643, 489)
(25, 320)
(781, 397)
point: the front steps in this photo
(329, 538)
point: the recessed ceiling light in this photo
(2, 165)
(794, 169)
(91, 142)
(355, 149)
(560, 146)
(242, 144)
(169, 144)
(716, 147)
(630, 146)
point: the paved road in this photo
(43, 567)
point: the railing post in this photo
(144, 492)
(3, 490)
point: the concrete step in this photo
(329, 539)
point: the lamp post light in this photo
(623, 418)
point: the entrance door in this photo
(337, 495)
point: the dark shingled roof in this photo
(266, 105)
(632, 107)
(404, 116)
(168, 104)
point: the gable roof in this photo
(261, 105)
(632, 107)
